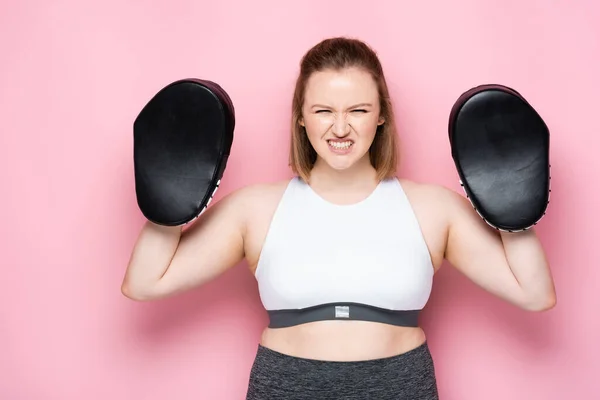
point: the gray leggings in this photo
(409, 375)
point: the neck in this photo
(360, 174)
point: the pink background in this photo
(75, 74)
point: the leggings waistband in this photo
(409, 375)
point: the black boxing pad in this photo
(500, 147)
(182, 141)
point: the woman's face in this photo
(341, 113)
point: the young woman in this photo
(346, 251)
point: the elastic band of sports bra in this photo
(342, 311)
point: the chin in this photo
(340, 165)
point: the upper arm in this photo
(476, 250)
(211, 245)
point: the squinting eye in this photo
(362, 111)
(322, 111)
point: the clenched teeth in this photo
(340, 145)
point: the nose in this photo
(341, 127)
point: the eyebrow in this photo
(354, 106)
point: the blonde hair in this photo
(337, 54)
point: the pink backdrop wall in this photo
(73, 77)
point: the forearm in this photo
(150, 258)
(527, 261)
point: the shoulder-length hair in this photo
(337, 54)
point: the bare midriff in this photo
(343, 340)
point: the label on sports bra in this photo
(342, 311)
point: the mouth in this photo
(340, 146)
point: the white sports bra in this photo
(364, 261)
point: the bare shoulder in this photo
(247, 200)
(440, 201)
(444, 199)
(240, 209)
(258, 193)
(260, 202)
(433, 205)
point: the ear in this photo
(381, 120)
(301, 121)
